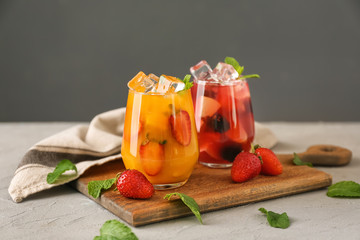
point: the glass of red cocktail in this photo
(223, 112)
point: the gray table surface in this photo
(64, 213)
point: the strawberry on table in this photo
(133, 184)
(271, 164)
(152, 156)
(181, 127)
(245, 167)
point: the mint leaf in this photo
(187, 82)
(251, 76)
(232, 61)
(188, 201)
(95, 187)
(115, 230)
(276, 220)
(299, 162)
(347, 189)
(61, 167)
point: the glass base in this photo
(168, 185)
(217, 165)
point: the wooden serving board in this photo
(212, 189)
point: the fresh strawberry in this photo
(245, 167)
(133, 184)
(271, 164)
(152, 157)
(181, 127)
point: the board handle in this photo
(326, 155)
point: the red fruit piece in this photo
(181, 127)
(152, 157)
(245, 167)
(133, 184)
(208, 106)
(224, 152)
(271, 164)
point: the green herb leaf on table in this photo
(297, 161)
(95, 187)
(345, 189)
(276, 220)
(115, 230)
(188, 201)
(61, 167)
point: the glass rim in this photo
(155, 94)
(230, 83)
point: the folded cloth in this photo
(86, 146)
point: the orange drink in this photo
(160, 137)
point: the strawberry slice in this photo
(181, 127)
(152, 157)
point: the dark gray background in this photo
(70, 60)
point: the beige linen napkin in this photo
(85, 146)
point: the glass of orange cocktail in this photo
(160, 137)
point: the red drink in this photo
(224, 120)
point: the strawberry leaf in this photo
(297, 161)
(276, 220)
(346, 189)
(95, 187)
(188, 201)
(115, 230)
(61, 167)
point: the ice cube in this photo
(142, 83)
(169, 84)
(201, 71)
(153, 77)
(225, 72)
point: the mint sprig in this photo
(187, 82)
(276, 220)
(95, 187)
(297, 161)
(345, 189)
(188, 201)
(61, 167)
(232, 61)
(115, 230)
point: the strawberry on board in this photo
(271, 164)
(245, 167)
(152, 156)
(133, 184)
(181, 127)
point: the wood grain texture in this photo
(211, 188)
